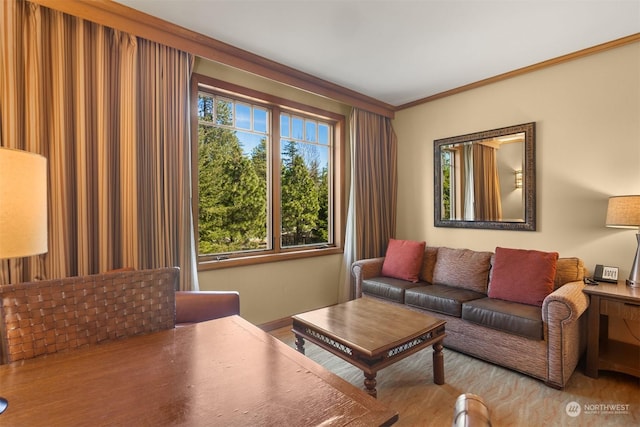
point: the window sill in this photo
(265, 258)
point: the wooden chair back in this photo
(49, 316)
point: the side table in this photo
(611, 300)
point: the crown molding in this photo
(132, 21)
(540, 65)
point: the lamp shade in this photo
(623, 212)
(23, 204)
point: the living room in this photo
(582, 102)
(586, 112)
(587, 104)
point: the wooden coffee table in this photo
(372, 335)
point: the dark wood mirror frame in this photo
(528, 223)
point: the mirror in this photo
(486, 179)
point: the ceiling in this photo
(401, 51)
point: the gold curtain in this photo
(110, 112)
(371, 219)
(488, 203)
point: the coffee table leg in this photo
(438, 364)
(300, 343)
(370, 384)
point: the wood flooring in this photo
(513, 399)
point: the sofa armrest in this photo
(565, 331)
(565, 304)
(365, 269)
(200, 306)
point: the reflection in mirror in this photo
(486, 179)
(479, 182)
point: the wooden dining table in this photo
(224, 372)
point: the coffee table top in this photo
(368, 325)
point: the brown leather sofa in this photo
(497, 331)
(199, 306)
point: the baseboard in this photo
(276, 324)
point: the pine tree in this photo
(299, 196)
(232, 201)
(321, 232)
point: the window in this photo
(305, 146)
(267, 174)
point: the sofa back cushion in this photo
(521, 275)
(462, 268)
(403, 259)
(568, 270)
(428, 264)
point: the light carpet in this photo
(513, 399)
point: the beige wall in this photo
(587, 115)
(276, 290)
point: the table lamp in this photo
(23, 207)
(624, 212)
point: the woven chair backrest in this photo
(49, 316)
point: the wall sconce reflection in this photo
(518, 175)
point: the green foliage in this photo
(299, 198)
(233, 188)
(322, 227)
(232, 196)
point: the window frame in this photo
(275, 105)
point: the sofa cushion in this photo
(515, 318)
(403, 259)
(428, 263)
(440, 298)
(387, 288)
(462, 268)
(568, 270)
(522, 275)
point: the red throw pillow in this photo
(403, 259)
(524, 276)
